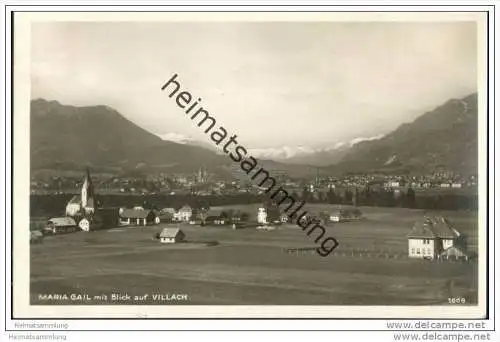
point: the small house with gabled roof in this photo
(137, 217)
(172, 235)
(58, 225)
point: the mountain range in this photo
(302, 155)
(444, 138)
(69, 137)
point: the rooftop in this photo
(135, 213)
(62, 221)
(170, 232)
(433, 227)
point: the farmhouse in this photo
(217, 217)
(262, 215)
(172, 235)
(59, 225)
(268, 213)
(217, 220)
(137, 217)
(184, 214)
(342, 215)
(166, 215)
(432, 238)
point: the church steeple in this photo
(87, 192)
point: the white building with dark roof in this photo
(184, 214)
(172, 235)
(74, 206)
(431, 237)
(137, 217)
(262, 216)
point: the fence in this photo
(367, 253)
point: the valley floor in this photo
(250, 267)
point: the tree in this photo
(347, 197)
(230, 213)
(331, 196)
(355, 198)
(244, 216)
(410, 198)
(323, 198)
(306, 195)
(203, 215)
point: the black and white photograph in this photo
(253, 166)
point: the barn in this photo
(60, 225)
(342, 215)
(172, 235)
(138, 217)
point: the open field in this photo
(250, 267)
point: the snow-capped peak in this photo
(358, 140)
(287, 152)
(277, 153)
(176, 137)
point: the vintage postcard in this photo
(250, 165)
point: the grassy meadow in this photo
(251, 267)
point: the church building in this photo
(83, 205)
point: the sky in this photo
(273, 84)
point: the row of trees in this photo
(54, 205)
(391, 198)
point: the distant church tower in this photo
(88, 194)
(202, 175)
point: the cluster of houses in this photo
(430, 238)
(266, 215)
(138, 216)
